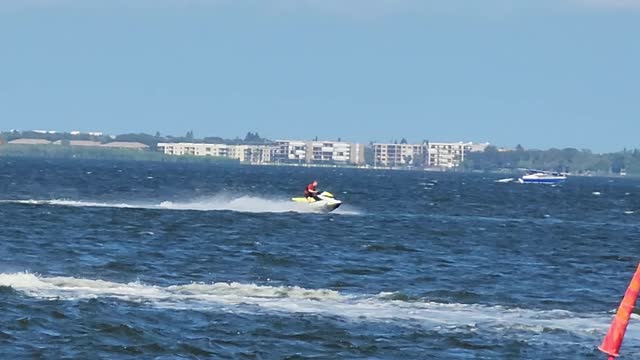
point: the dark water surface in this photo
(122, 260)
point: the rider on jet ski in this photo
(312, 191)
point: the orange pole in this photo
(612, 342)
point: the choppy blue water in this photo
(126, 260)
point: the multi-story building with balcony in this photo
(446, 155)
(254, 154)
(291, 151)
(245, 153)
(428, 154)
(399, 155)
(320, 152)
(451, 154)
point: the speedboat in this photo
(327, 202)
(542, 177)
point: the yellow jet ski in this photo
(327, 202)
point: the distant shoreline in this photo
(50, 151)
(92, 154)
(57, 151)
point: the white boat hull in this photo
(325, 205)
(541, 179)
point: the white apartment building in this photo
(320, 152)
(194, 149)
(254, 154)
(451, 154)
(394, 155)
(431, 154)
(335, 152)
(357, 154)
(244, 153)
(291, 151)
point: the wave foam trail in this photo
(240, 204)
(252, 298)
(219, 203)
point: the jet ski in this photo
(327, 202)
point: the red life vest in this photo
(309, 190)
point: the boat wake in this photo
(249, 204)
(255, 299)
(506, 180)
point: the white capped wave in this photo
(250, 298)
(248, 204)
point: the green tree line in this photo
(147, 139)
(564, 160)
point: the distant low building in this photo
(115, 144)
(126, 145)
(30, 142)
(78, 143)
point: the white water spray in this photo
(248, 204)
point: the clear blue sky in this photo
(543, 73)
